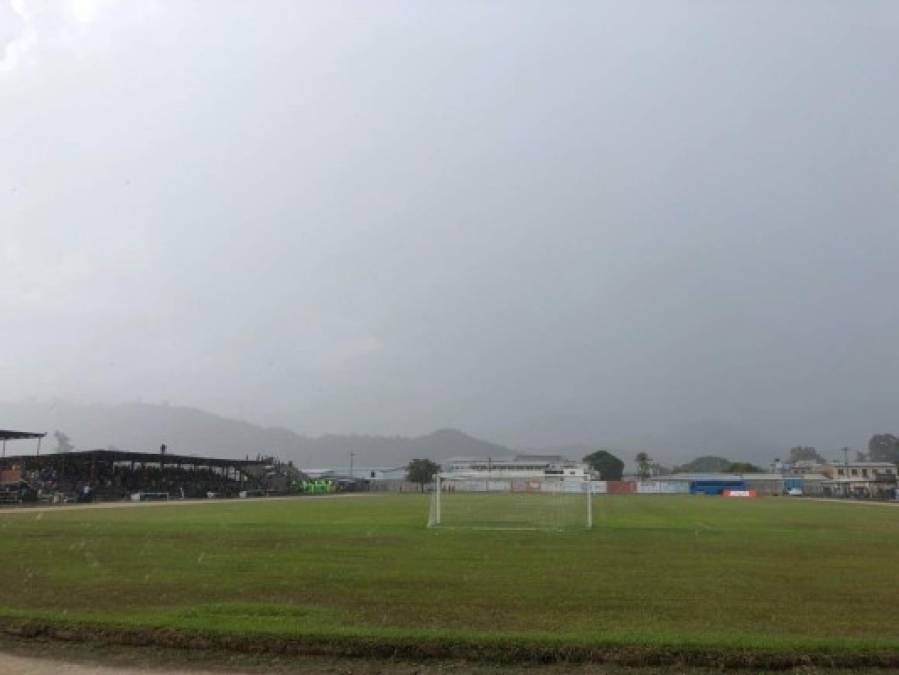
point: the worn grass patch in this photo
(682, 579)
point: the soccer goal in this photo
(541, 503)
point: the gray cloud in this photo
(543, 223)
(12, 29)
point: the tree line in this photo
(611, 467)
(881, 448)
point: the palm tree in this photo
(644, 465)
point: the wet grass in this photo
(656, 576)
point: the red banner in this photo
(10, 475)
(621, 487)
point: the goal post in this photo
(502, 503)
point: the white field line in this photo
(849, 501)
(65, 508)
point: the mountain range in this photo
(143, 427)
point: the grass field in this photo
(657, 576)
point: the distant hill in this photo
(142, 426)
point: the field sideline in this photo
(695, 579)
(30, 509)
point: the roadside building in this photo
(865, 480)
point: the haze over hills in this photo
(143, 426)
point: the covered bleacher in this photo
(115, 475)
(13, 489)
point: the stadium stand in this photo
(91, 475)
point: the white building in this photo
(516, 466)
(861, 479)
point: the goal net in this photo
(546, 502)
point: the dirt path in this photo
(12, 664)
(60, 508)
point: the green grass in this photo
(661, 573)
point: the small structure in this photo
(334, 482)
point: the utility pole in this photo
(352, 455)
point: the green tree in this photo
(421, 471)
(63, 444)
(644, 465)
(804, 453)
(607, 464)
(661, 469)
(884, 448)
(743, 467)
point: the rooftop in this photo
(50, 459)
(8, 435)
(869, 465)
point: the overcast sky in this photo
(541, 222)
